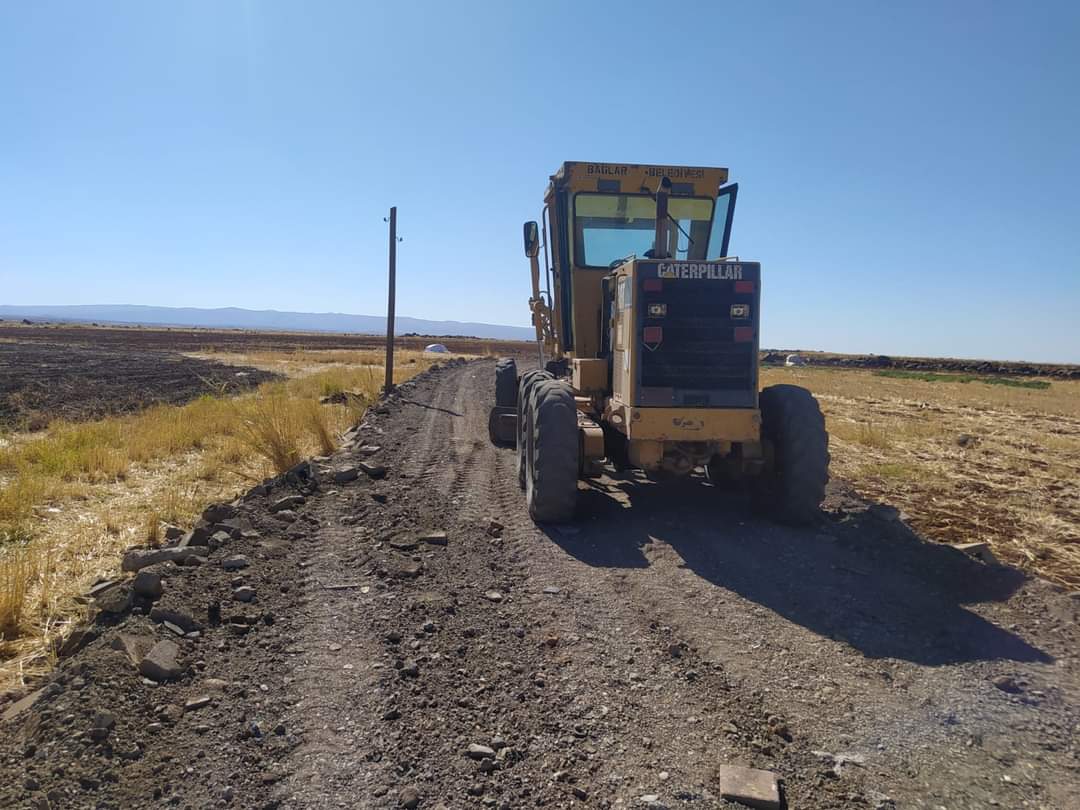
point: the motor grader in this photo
(647, 339)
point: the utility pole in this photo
(389, 385)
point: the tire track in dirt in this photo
(418, 461)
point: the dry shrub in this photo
(872, 435)
(330, 385)
(43, 557)
(177, 506)
(273, 430)
(318, 425)
(152, 531)
(864, 433)
(891, 469)
(16, 572)
(23, 488)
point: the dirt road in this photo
(669, 633)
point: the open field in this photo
(950, 364)
(239, 340)
(40, 382)
(964, 461)
(79, 489)
(181, 339)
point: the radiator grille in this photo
(698, 355)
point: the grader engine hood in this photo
(696, 328)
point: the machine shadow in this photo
(860, 578)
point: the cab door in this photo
(723, 214)
(622, 337)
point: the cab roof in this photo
(636, 178)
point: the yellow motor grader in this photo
(647, 336)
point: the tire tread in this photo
(506, 382)
(524, 391)
(552, 490)
(792, 419)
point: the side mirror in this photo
(532, 239)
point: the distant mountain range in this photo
(235, 318)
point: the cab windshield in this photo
(611, 227)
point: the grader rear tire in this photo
(524, 390)
(795, 487)
(506, 383)
(552, 453)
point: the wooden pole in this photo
(389, 385)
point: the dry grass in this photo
(864, 433)
(15, 577)
(306, 362)
(74, 497)
(966, 461)
(272, 428)
(319, 427)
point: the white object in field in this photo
(437, 348)
(794, 360)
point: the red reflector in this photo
(653, 334)
(653, 285)
(744, 333)
(744, 286)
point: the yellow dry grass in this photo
(967, 462)
(14, 577)
(75, 496)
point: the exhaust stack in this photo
(663, 191)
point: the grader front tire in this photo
(552, 453)
(795, 487)
(524, 391)
(506, 383)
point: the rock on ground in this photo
(161, 663)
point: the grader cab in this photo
(647, 342)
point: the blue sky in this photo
(908, 172)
